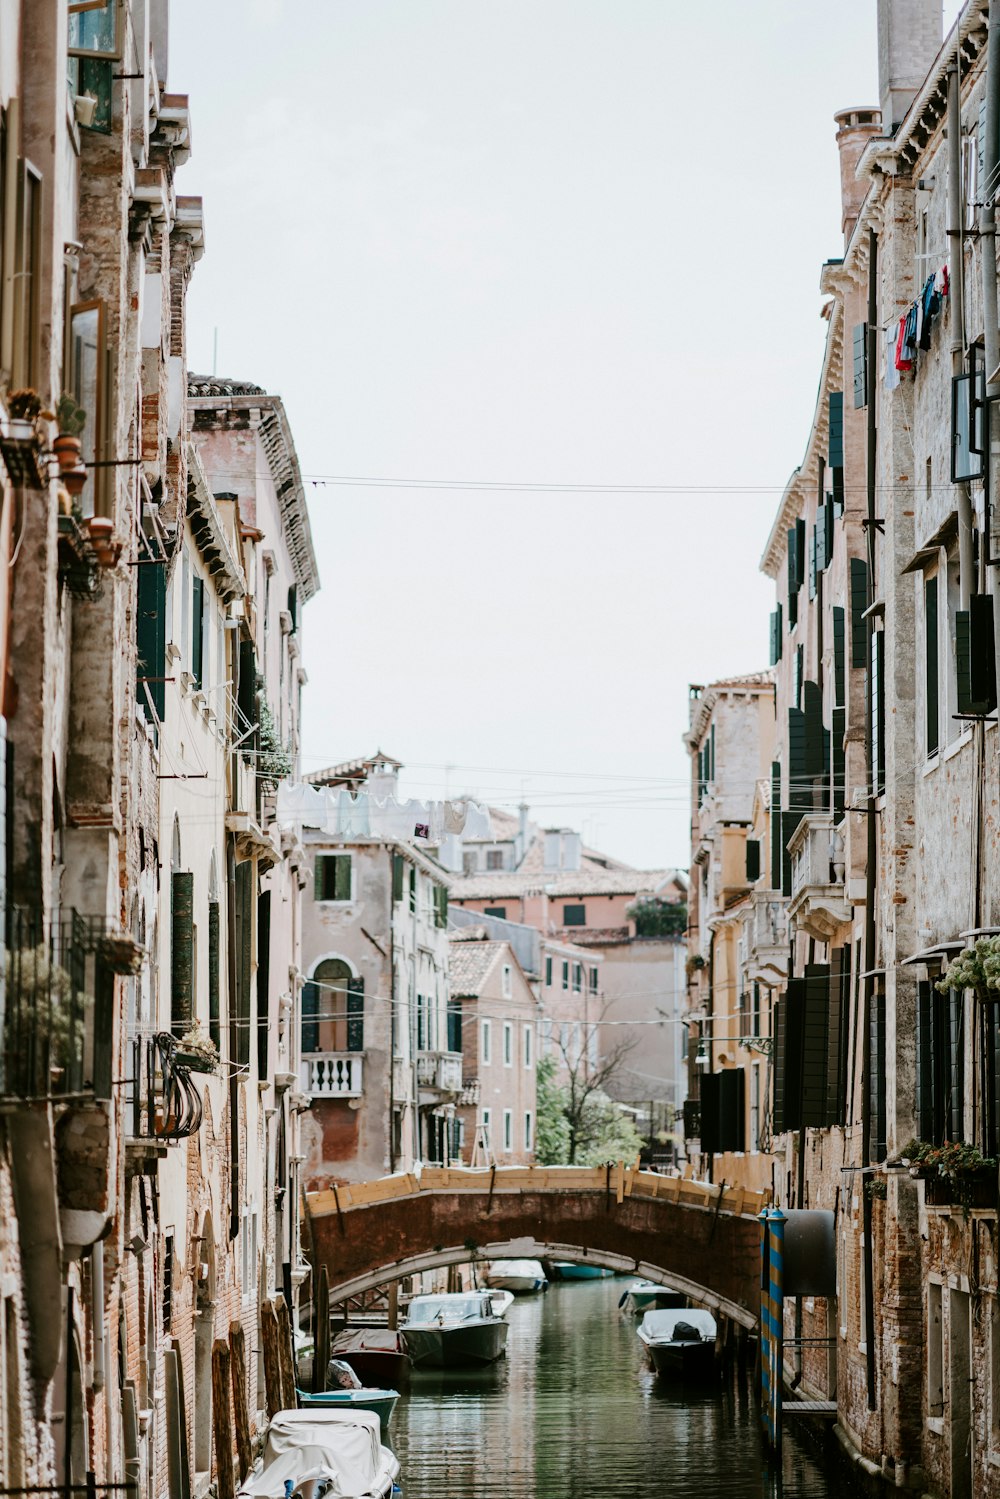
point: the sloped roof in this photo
(219, 385)
(351, 770)
(470, 961)
(590, 879)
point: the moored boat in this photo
(680, 1341)
(569, 1270)
(520, 1277)
(346, 1392)
(376, 1354)
(646, 1296)
(463, 1328)
(322, 1451)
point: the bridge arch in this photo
(689, 1236)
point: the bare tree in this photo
(595, 1123)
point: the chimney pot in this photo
(909, 37)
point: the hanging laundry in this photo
(454, 815)
(891, 372)
(421, 830)
(352, 815)
(929, 305)
(941, 281)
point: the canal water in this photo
(573, 1413)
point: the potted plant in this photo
(196, 1051)
(953, 1173)
(977, 968)
(101, 528)
(24, 407)
(68, 446)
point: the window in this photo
(494, 858)
(455, 1025)
(940, 1064)
(485, 1042)
(574, 915)
(529, 1130)
(198, 631)
(484, 1119)
(931, 664)
(333, 1009)
(755, 1108)
(548, 973)
(565, 975)
(935, 1351)
(529, 1033)
(182, 950)
(413, 889)
(564, 1039)
(508, 1130)
(577, 978)
(508, 1044)
(422, 1027)
(397, 876)
(249, 1255)
(507, 980)
(27, 269)
(593, 980)
(168, 1282)
(470, 862)
(500, 911)
(332, 877)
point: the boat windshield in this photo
(447, 1308)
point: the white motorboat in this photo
(323, 1452)
(681, 1341)
(461, 1328)
(647, 1296)
(520, 1277)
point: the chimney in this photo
(909, 37)
(855, 128)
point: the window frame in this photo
(508, 1043)
(25, 357)
(529, 1131)
(507, 980)
(485, 1043)
(528, 1046)
(335, 900)
(82, 7)
(578, 916)
(508, 1131)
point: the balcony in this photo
(333, 1074)
(440, 1070)
(767, 937)
(818, 901)
(162, 1102)
(59, 1005)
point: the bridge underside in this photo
(709, 1256)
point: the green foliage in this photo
(977, 968)
(551, 1128)
(71, 418)
(951, 1158)
(604, 1133)
(274, 761)
(658, 918)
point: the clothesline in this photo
(343, 814)
(912, 332)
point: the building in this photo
(499, 1034)
(381, 1047)
(611, 976)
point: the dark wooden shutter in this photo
(548, 973)
(753, 860)
(838, 656)
(247, 695)
(181, 951)
(813, 563)
(342, 877)
(859, 603)
(397, 876)
(931, 663)
(839, 1031)
(878, 710)
(793, 565)
(776, 636)
(710, 1112)
(812, 705)
(800, 552)
(799, 792)
(151, 634)
(876, 1077)
(263, 980)
(954, 1101)
(860, 345)
(319, 877)
(244, 958)
(838, 761)
(214, 1019)
(455, 1025)
(822, 555)
(925, 1060)
(800, 659)
(787, 1057)
(293, 606)
(310, 1010)
(775, 825)
(835, 451)
(828, 527)
(356, 1014)
(789, 822)
(976, 657)
(815, 1044)
(732, 1109)
(837, 490)
(197, 630)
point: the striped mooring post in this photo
(772, 1237)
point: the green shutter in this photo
(776, 636)
(319, 877)
(931, 664)
(976, 657)
(244, 958)
(197, 630)
(356, 1014)
(815, 759)
(214, 1019)
(838, 657)
(925, 1061)
(709, 1090)
(860, 342)
(835, 405)
(753, 860)
(838, 761)
(787, 1054)
(822, 1043)
(293, 606)
(859, 603)
(822, 560)
(838, 1032)
(812, 563)
(799, 791)
(246, 699)
(310, 1010)
(548, 973)
(442, 905)
(775, 825)
(151, 635)
(181, 951)
(342, 877)
(732, 1109)
(397, 876)
(837, 490)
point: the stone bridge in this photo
(700, 1239)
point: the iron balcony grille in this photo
(58, 1004)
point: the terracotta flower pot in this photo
(74, 478)
(68, 450)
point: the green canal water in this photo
(573, 1413)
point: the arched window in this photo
(333, 1009)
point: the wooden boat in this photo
(443, 1331)
(646, 1296)
(322, 1451)
(680, 1342)
(520, 1277)
(346, 1392)
(376, 1354)
(567, 1270)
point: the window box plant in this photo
(978, 969)
(954, 1174)
(196, 1051)
(20, 442)
(68, 446)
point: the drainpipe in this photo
(97, 1311)
(392, 1024)
(956, 291)
(234, 1087)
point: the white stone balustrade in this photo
(332, 1074)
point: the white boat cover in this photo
(338, 1445)
(658, 1327)
(449, 1308)
(516, 1270)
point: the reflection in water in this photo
(573, 1413)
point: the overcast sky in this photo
(536, 242)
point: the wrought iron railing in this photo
(163, 1101)
(58, 1004)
